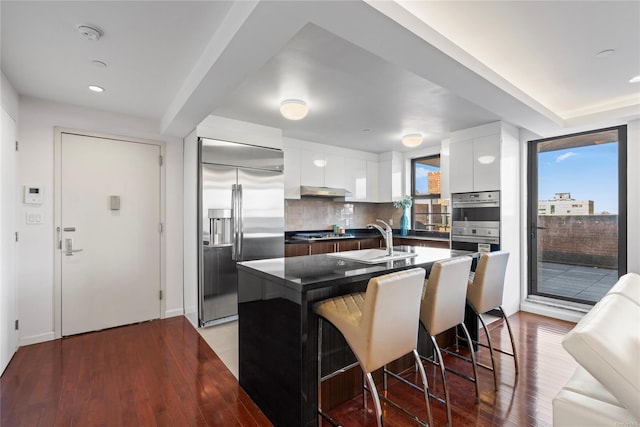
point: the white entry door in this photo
(110, 233)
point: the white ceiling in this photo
(369, 71)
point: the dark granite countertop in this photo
(314, 271)
(365, 233)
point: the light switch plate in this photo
(34, 218)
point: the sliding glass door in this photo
(577, 214)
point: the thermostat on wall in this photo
(32, 195)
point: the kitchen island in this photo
(278, 330)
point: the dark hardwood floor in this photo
(159, 373)
(162, 373)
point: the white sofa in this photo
(605, 388)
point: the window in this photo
(577, 251)
(429, 211)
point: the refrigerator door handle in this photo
(234, 221)
(240, 236)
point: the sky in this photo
(588, 173)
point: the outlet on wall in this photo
(391, 222)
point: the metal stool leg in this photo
(513, 344)
(493, 362)
(444, 379)
(376, 399)
(319, 372)
(473, 360)
(425, 385)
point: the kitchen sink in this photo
(372, 256)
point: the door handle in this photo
(234, 222)
(68, 247)
(240, 224)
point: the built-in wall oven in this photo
(475, 221)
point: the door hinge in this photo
(17, 145)
(17, 324)
(160, 227)
(160, 160)
(16, 236)
(161, 295)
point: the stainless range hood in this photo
(310, 191)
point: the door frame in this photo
(57, 293)
(532, 211)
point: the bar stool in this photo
(442, 308)
(484, 293)
(380, 325)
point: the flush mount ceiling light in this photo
(95, 88)
(293, 109)
(320, 163)
(90, 33)
(412, 140)
(635, 79)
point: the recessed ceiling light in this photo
(96, 88)
(604, 53)
(412, 140)
(293, 109)
(635, 79)
(320, 163)
(90, 33)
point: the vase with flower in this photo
(405, 204)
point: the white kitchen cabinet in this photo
(334, 173)
(390, 177)
(291, 173)
(356, 179)
(474, 163)
(311, 168)
(486, 163)
(372, 181)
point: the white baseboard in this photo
(173, 313)
(555, 312)
(35, 339)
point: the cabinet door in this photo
(372, 243)
(347, 245)
(291, 173)
(323, 247)
(461, 166)
(311, 170)
(334, 171)
(486, 166)
(385, 185)
(296, 249)
(356, 179)
(372, 181)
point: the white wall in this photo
(35, 162)
(10, 100)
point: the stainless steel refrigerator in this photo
(241, 218)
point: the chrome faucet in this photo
(386, 233)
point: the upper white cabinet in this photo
(474, 159)
(291, 173)
(319, 165)
(390, 177)
(312, 167)
(356, 179)
(334, 171)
